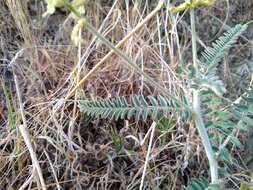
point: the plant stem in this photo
(119, 45)
(196, 107)
(127, 60)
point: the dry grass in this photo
(74, 151)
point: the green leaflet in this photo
(201, 184)
(223, 122)
(138, 106)
(212, 56)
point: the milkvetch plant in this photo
(204, 79)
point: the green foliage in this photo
(138, 106)
(221, 121)
(164, 123)
(212, 56)
(201, 184)
(116, 140)
(224, 121)
(13, 118)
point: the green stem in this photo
(129, 62)
(196, 107)
(134, 66)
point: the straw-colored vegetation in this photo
(136, 94)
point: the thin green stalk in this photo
(10, 107)
(196, 107)
(129, 62)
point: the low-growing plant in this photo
(116, 141)
(204, 83)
